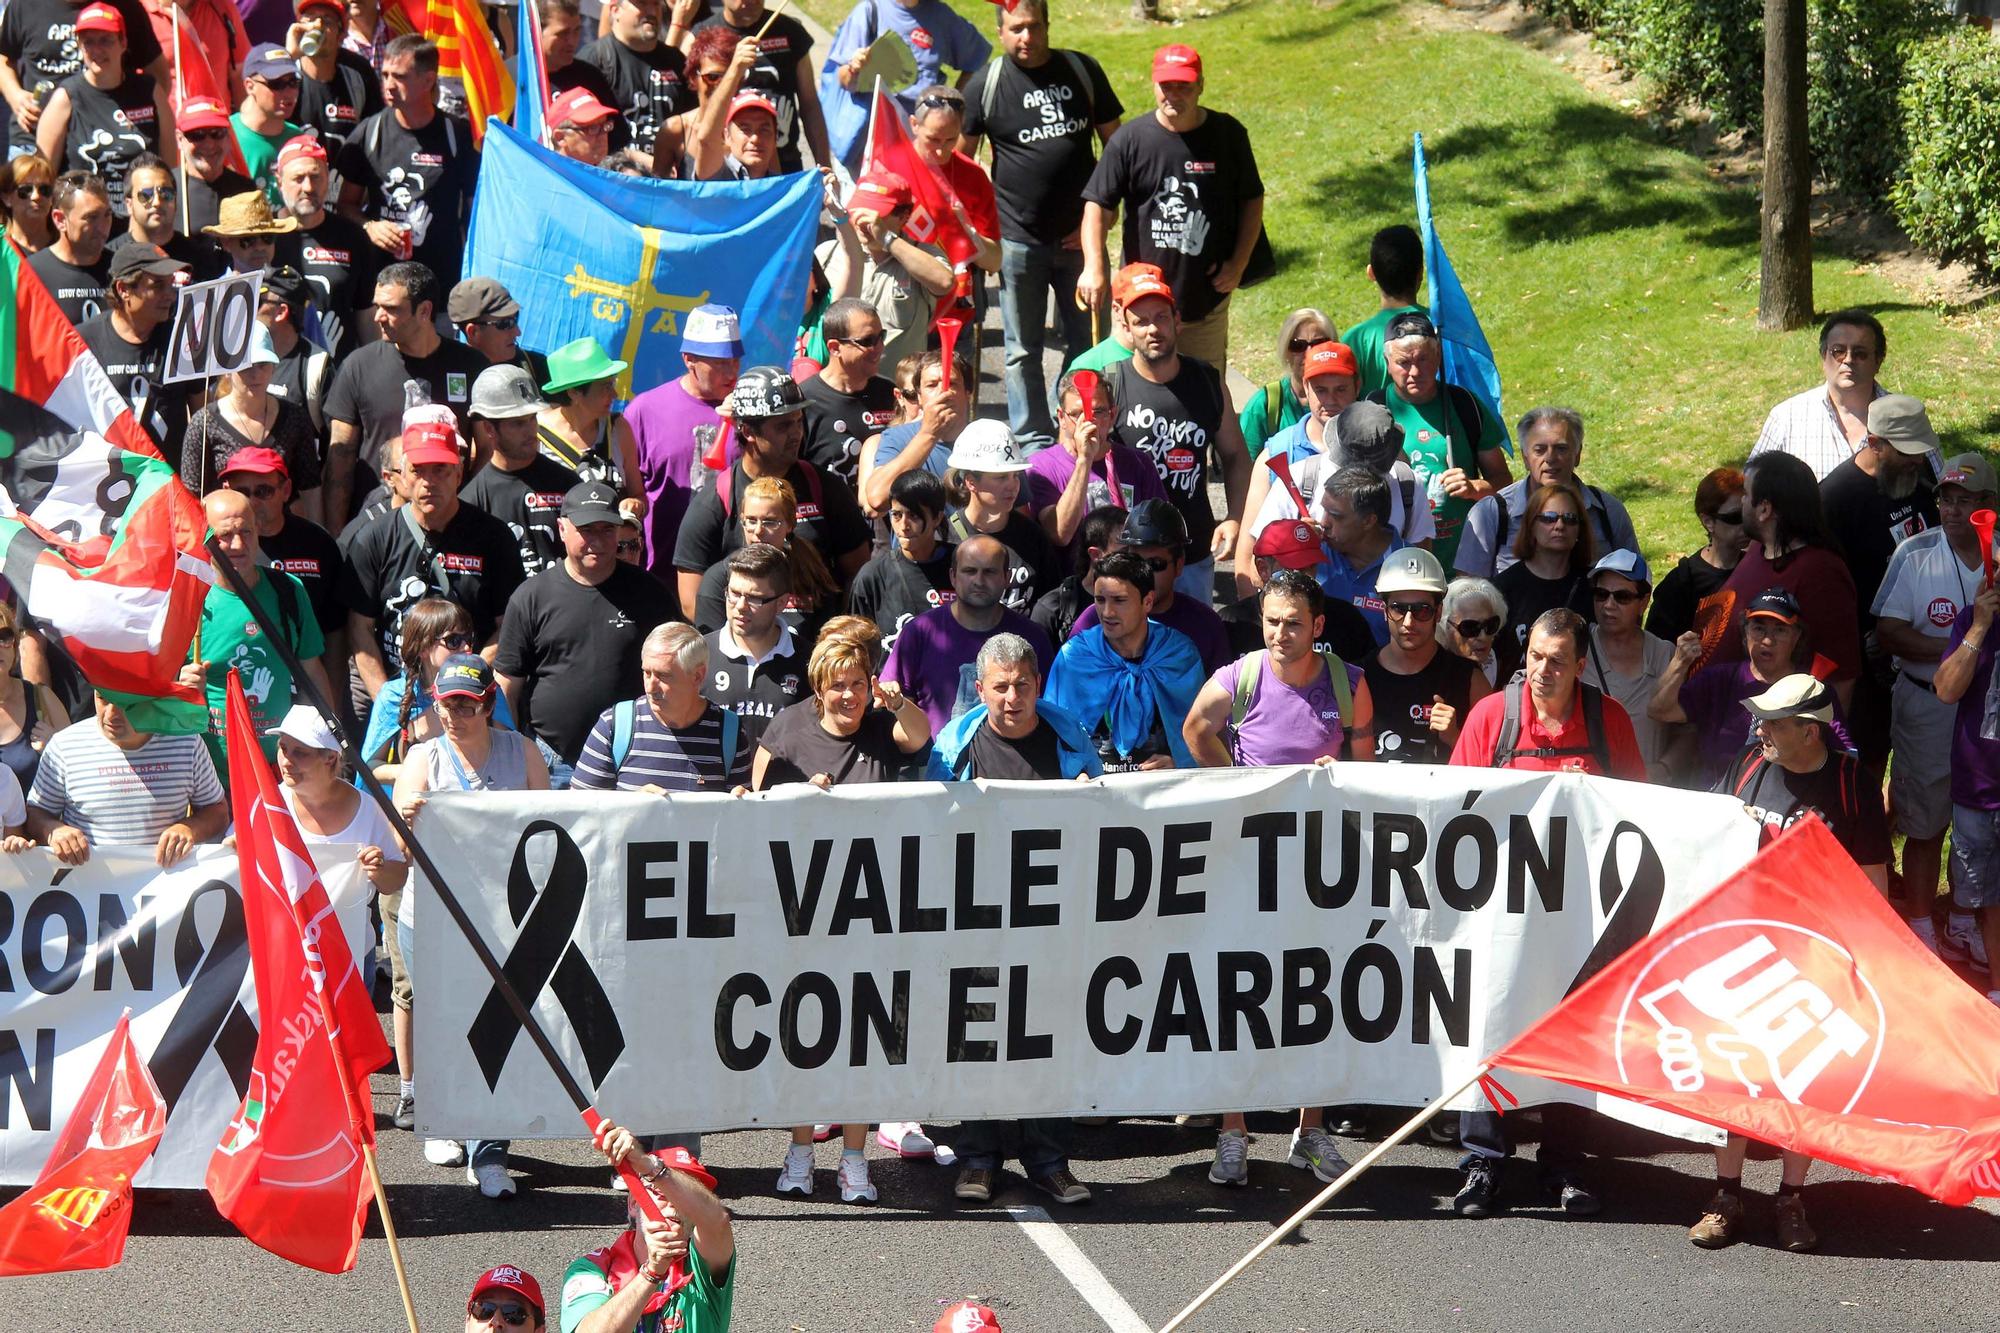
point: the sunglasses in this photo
(1298, 345)
(631, 548)
(205, 136)
(163, 194)
(1422, 612)
(1477, 629)
(1732, 517)
(281, 85)
(264, 492)
(874, 339)
(710, 77)
(35, 191)
(512, 1313)
(940, 102)
(1157, 565)
(8, 636)
(1622, 596)
(1549, 518)
(458, 643)
(507, 325)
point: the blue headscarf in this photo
(1091, 681)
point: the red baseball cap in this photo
(578, 106)
(1176, 64)
(1137, 280)
(879, 192)
(202, 113)
(258, 459)
(1293, 543)
(683, 1161)
(507, 1277)
(967, 1317)
(427, 442)
(750, 102)
(304, 146)
(100, 18)
(1331, 358)
(299, 7)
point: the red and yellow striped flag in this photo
(468, 52)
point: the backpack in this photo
(726, 494)
(990, 94)
(1754, 762)
(1507, 745)
(625, 715)
(1463, 406)
(1250, 675)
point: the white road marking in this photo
(1074, 1264)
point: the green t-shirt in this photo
(702, 1306)
(1434, 441)
(1103, 356)
(229, 637)
(260, 155)
(1365, 339)
(1258, 427)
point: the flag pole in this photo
(1318, 1201)
(351, 748)
(388, 1229)
(180, 100)
(771, 18)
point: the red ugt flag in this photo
(1793, 1006)
(890, 148)
(289, 1171)
(78, 1211)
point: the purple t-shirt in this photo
(1286, 725)
(932, 660)
(1713, 699)
(1975, 761)
(672, 429)
(1198, 622)
(1049, 471)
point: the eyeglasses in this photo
(1731, 517)
(1549, 518)
(631, 548)
(512, 1314)
(263, 492)
(750, 598)
(458, 643)
(1622, 596)
(1477, 629)
(38, 190)
(461, 703)
(205, 136)
(163, 194)
(874, 339)
(1421, 612)
(507, 325)
(285, 84)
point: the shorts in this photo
(1975, 857)
(1920, 774)
(391, 905)
(1207, 338)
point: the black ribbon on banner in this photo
(545, 955)
(210, 1016)
(1632, 905)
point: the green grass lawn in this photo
(1611, 272)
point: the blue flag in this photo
(1468, 359)
(531, 75)
(623, 258)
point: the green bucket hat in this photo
(580, 362)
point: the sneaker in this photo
(492, 1179)
(855, 1186)
(1312, 1149)
(1186, 1121)
(1964, 943)
(821, 1133)
(1232, 1160)
(1720, 1221)
(1925, 931)
(444, 1152)
(406, 1112)
(905, 1138)
(797, 1175)
(1479, 1196)
(1572, 1195)
(1794, 1232)
(618, 1184)
(1061, 1186)
(975, 1185)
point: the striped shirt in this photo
(1806, 427)
(115, 796)
(676, 758)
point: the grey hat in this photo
(1902, 421)
(1367, 436)
(503, 392)
(480, 298)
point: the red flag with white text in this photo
(891, 147)
(79, 1210)
(289, 1170)
(1793, 1006)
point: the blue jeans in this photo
(982, 1145)
(1485, 1134)
(1027, 274)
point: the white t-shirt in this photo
(1926, 586)
(368, 828)
(115, 796)
(1415, 525)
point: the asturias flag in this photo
(1793, 1006)
(623, 258)
(97, 532)
(1468, 359)
(531, 102)
(77, 1213)
(289, 1171)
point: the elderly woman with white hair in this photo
(1474, 611)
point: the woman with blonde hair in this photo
(27, 193)
(835, 738)
(1283, 401)
(770, 514)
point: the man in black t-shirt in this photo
(76, 268)
(847, 403)
(1040, 108)
(130, 340)
(295, 545)
(364, 404)
(206, 177)
(1194, 204)
(407, 172)
(755, 668)
(1421, 692)
(569, 647)
(434, 546)
(784, 73)
(647, 76)
(152, 208)
(519, 485)
(333, 252)
(337, 88)
(38, 44)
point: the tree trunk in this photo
(1146, 11)
(1785, 298)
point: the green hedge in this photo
(1948, 197)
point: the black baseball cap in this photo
(1774, 604)
(590, 502)
(290, 286)
(1410, 324)
(144, 257)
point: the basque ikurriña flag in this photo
(289, 1171)
(97, 535)
(1468, 358)
(1793, 1006)
(623, 259)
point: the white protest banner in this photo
(213, 322)
(77, 945)
(1151, 943)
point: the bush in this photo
(1710, 52)
(1856, 51)
(1948, 197)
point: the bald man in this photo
(229, 638)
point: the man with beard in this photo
(152, 208)
(206, 177)
(647, 75)
(933, 657)
(333, 252)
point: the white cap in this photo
(1410, 569)
(986, 446)
(304, 725)
(263, 352)
(714, 331)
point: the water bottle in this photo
(41, 93)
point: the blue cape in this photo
(1091, 681)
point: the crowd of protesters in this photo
(507, 578)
